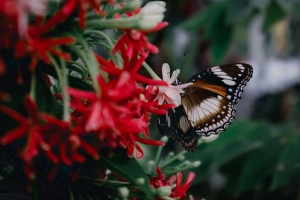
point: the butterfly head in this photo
(176, 82)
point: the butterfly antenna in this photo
(182, 61)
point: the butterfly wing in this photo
(209, 103)
(176, 125)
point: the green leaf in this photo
(239, 139)
(259, 165)
(70, 192)
(220, 45)
(127, 168)
(274, 13)
(80, 84)
(288, 166)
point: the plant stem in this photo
(61, 75)
(150, 71)
(33, 84)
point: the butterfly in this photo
(208, 105)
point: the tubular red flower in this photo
(179, 191)
(38, 48)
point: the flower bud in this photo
(140, 181)
(123, 191)
(152, 14)
(196, 163)
(163, 191)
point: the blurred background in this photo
(258, 156)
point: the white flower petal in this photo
(174, 76)
(181, 86)
(166, 72)
(173, 94)
(161, 99)
(152, 14)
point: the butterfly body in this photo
(208, 105)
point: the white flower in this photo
(24, 8)
(152, 14)
(170, 93)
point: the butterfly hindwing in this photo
(208, 105)
(176, 125)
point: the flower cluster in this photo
(94, 102)
(164, 187)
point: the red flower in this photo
(131, 65)
(117, 116)
(28, 128)
(179, 191)
(45, 135)
(67, 9)
(133, 40)
(16, 13)
(38, 48)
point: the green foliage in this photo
(220, 18)
(128, 168)
(249, 153)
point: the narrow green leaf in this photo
(80, 84)
(274, 13)
(127, 168)
(6, 172)
(70, 193)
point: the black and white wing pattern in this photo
(209, 103)
(176, 126)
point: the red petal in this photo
(15, 134)
(130, 150)
(139, 152)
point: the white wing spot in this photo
(219, 97)
(228, 82)
(240, 66)
(228, 96)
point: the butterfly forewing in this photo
(208, 105)
(226, 80)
